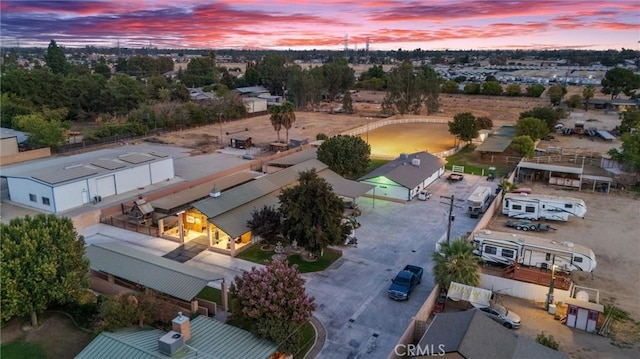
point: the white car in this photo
(502, 315)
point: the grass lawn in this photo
(308, 338)
(257, 255)
(473, 164)
(20, 349)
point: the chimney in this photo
(182, 325)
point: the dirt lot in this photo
(610, 229)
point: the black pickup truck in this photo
(404, 282)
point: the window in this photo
(547, 257)
(568, 205)
(46, 201)
(507, 253)
(593, 315)
(573, 310)
(490, 250)
(517, 207)
(33, 197)
(577, 259)
(530, 209)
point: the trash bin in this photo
(552, 309)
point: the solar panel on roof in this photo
(108, 164)
(65, 175)
(136, 158)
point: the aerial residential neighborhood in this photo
(294, 201)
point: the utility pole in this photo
(451, 217)
(220, 124)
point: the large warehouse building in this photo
(64, 186)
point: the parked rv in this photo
(508, 248)
(537, 206)
(479, 201)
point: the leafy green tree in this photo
(303, 89)
(450, 87)
(465, 126)
(460, 79)
(347, 156)
(523, 145)
(46, 132)
(513, 90)
(549, 115)
(556, 93)
(13, 106)
(456, 263)
(629, 120)
(588, 94)
(574, 101)
(265, 223)
(533, 127)
(201, 71)
(535, 90)
(347, 103)
(620, 80)
(472, 88)
(130, 309)
(288, 116)
(42, 261)
(408, 89)
(484, 123)
(312, 213)
(273, 302)
(124, 94)
(56, 60)
(629, 154)
(273, 72)
(374, 72)
(276, 119)
(492, 88)
(337, 77)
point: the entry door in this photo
(581, 321)
(527, 258)
(571, 317)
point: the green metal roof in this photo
(238, 196)
(209, 339)
(499, 141)
(295, 158)
(163, 275)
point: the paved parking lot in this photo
(360, 320)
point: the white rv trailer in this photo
(508, 248)
(538, 206)
(479, 201)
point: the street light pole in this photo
(451, 218)
(220, 124)
(368, 119)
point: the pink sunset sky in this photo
(324, 24)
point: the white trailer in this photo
(508, 248)
(537, 206)
(479, 201)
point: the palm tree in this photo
(276, 119)
(507, 186)
(456, 263)
(288, 116)
(588, 93)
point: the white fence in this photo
(522, 290)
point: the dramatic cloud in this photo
(303, 24)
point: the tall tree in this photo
(556, 93)
(535, 90)
(273, 73)
(42, 260)
(276, 119)
(272, 300)
(465, 126)
(629, 153)
(347, 156)
(312, 213)
(588, 94)
(338, 77)
(56, 60)
(265, 223)
(547, 114)
(620, 80)
(456, 263)
(288, 113)
(347, 102)
(523, 145)
(629, 120)
(533, 127)
(408, 88)
(44, 129)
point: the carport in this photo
(497, 142)
(561, 175)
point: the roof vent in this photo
(415, 162)
(170, 343)
(214, 192)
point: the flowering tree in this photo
(272, 303)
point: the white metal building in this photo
(58, 188)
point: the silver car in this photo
(502, 315)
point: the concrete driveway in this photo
(360, 320)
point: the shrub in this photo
(547, 341)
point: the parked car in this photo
(440, 302)
(502, 315)
(404, 282)
(527, 225)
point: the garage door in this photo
(106, 186)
